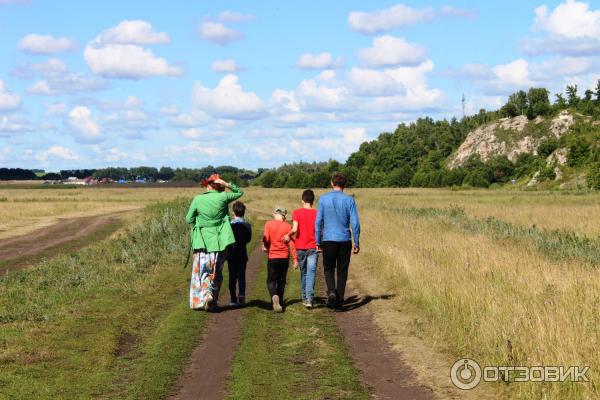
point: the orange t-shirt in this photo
(273, 240)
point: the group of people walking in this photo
(216, 238)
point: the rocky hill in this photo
(510, 137)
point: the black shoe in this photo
(331, 299)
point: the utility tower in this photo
(463, 105)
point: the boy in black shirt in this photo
(238, 255)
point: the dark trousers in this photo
(277, 269)
(237, 279)
(336, 258)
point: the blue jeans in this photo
(307, 260)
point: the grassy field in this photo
(504, 277)
(520, 288)
(110, 321)
(24, 210)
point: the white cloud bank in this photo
(117, 52)
(319, 61)
(46, 44)
(133, 32)
(392, 51)
(571, 28)
(226, 66)
(57, 152)
(218, 33)
(397, 16)
(227, 100)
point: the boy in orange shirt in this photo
(278, 251)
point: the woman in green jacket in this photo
(211, 236)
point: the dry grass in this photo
(471, 293)
(25, 210)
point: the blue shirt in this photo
(335, 215)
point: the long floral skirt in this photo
(207, 276)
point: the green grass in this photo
(295, 355)
(110, 321)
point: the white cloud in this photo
(227, 100)
(218, 33)
(319, 61)
(57, 79)
(232, 16)
(68, 84)
(8, 100)
(195, 149)
(391, 51)
(127, 61)
(133, 32)
(169, 110)
(55, 109)
(571, 19)
(226, 66)
(115, 155)
(323, 93)
(191, 119)
(571, 28)
(13, 124)
(450, 11)
(310, 95)
(387, 19)
(46, 44)
(57, 152)
(513, 74)
(81, 121)
(192, 133)
(369, 82)
(129, 119)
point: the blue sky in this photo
(187, 84)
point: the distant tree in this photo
(400, 177)
(572, 98)
(166, 173)
(597, 91)
(501, 168)
(477, 178)
(538, 101)
(517, 104)
(560, 102)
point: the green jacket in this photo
(209, 214)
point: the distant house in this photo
(72, 180)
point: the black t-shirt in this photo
(242, 231)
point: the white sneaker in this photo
(308, 305)
(232, 304)
(276, 306)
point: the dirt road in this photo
(66, 235)
(209, 365)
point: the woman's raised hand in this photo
(221, 182)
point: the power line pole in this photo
(463, 105)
